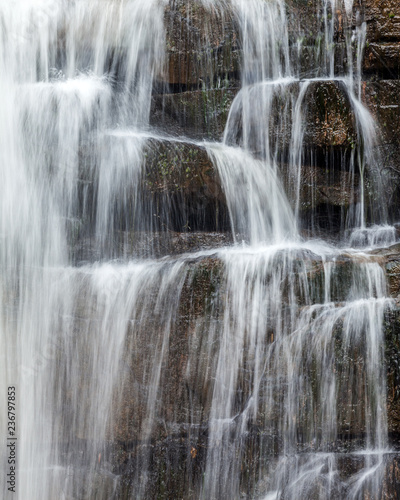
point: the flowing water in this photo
(288, 355)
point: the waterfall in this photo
(246, 363)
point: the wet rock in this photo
(184, 189)
(382, 18)
(176, 448)
(390, 258)
(201, 44)
(86, 484)
(200, 114)
(144, 244)
(306, 31)
(383, 100)
(392, 354)
(330, 119)
(171, 243)
(325, 187)
(383, 59)
(177, 190)
(383, 37)
(326, 112)
(305, 20)
(184, 396)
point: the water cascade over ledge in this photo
(198, 254)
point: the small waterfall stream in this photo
(262, 357)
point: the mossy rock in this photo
(201, 114)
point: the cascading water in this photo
(262, 378)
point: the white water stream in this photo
(76, 81)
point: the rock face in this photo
(330, 117)
(381, 66)
(184, 188)
(182, 197)
(202, 45)
(140, 139)
(204, 54)
(176, 450)
(201, 114)
(383, 37)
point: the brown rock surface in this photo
(382, 18)
(200, 113)
(383, 100)
(201, 44)
(330, 118)
(184, 187)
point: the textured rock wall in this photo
(203, 78)
(177, 448)
(193, 98)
